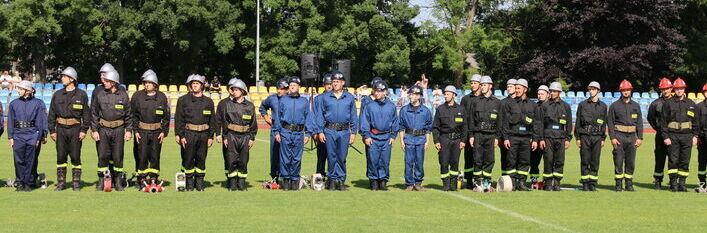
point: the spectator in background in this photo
(402, 101)
(16, 79)
(437, 97)
(6, 81)
(215, 85)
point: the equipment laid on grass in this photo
(10, 183)
(460, 180)
(42, 180)
(180, 181)
(537, 185)
(107, 181)
(153, 187)
(271, 184)
(303, 183)
(505, 184)
(702, 188)
(317, 182)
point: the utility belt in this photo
(591, 129)
(111, 124)
(24, 124)
(378, 132)
(625, 128)
(67, 121)
(554, 127)
(238, 128)
(453, 135)
(197, 128)
(337, 127)
(149, 126)
(416, 132)
(488, 126)
(680, 125)
(522, 130)
(292, 127)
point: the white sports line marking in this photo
(507, 212)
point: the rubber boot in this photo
(99, 185)
(453, 183)
(585, 186)
(294, 185)
(445, 184)
(285, 185)
(242, 184)
(619, 185)
(470, 183)
(231, 184)
(189, 182)
(681, 184)
(199, 182)
(332, 185)
(521, 184)
(374, 184)
(547, 184)
(60, 178)
(673, 184)
(76, 179)
(383, 185)
(629, 185)
(342, 186)
(118, 182)
(593, 186)
(657, 185)
(556, 184)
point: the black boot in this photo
(453, 182)
(231, 184)
(585, 186)
(629, 185)
(374, 184)
(342, 186)
(619, 185)
(445, 184)
(332, 185)
(199, 182)
(593, 186)
(383, 185)
(547, 184)
(76, 179)
(681, 184)
(657, 184)
(99, 184)
(19, 187)
(294, 185)
(118, 182)
(674, 184)
(285, 185)
(60, 178)
(521, 184)
(470, 183)
(243, 185)
(556, 184)
(189, 182)
(141, 181)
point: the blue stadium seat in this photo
(37, 86)
(563, 94)
(48, 86)
(655, 95)
(397, 91)
(645, 95)
(580, 95)
(124, 86)
(90, 87)
(608, 94)
(47, 93)
(4, 93)
(82, 86)
(636, 95)
(459, 92)
(429, 92)
(58, 86)
(571, 94)
(14, 93)
(467, 91)
(498, 93)
(505, 92)
(617, 95)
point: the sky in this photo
(425, 10)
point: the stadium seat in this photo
(38, 86)
(571, 94)
(691, 96)
(48, 86)
(563, 94)
(223, 88)
(123, 86)
(498, 93)
(173, 88)
(700, 96)
(655, 95)
(580, 95)
(132, 87)
(617, 95)
(90, 87)
(47, 93)
(466, 92)
(645, 95)
(163, 88)
(252, 89)
(4, 93)
(140, 87)
(352, 90)
(636, 95)
(82, 86)
(459, 92)
(272, 90)
(183, 88)
(58, 86)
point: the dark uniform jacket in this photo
(230, 111)
(111, 106)
(194, 110)
(69, 104)
(151, 109)
(449, 119)
(591, 119)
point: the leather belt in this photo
(377, 132)
(24, 124)
(197, 128)
(111, 124)
(680, 125)
(416, 132)
(149, 126)
(338, 127)
(625, 128)
(487, 126)
(453, 135)
(292, 127)
(238, 128)
(592, 129)
(67, 121)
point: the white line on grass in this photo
(507, 212)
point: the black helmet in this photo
(294, 79)
(375, 79)
(327, 78)
(282, 83)
(415, 90)
(380, 86)
(337, 75)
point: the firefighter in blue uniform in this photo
(271, 104)
(415, 127)
(365, 100)
(336, 124)
(292, 132)
(321, 146)
(379, 127)
(27, 128)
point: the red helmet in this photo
(625, 85)
(704, 88)
(665, 83)
(679, 83)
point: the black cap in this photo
(282, 83)
(294, 79)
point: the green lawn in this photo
(358, 210)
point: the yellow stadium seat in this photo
(252, 89)
(173, 88)
(140, 87)
(351, 90)
(691, 96)
(163, 88)
(257, 103)
(272, 90)
(700, 96)
(223, 88)
(263, 89)
(183, 88)
(173, 109)
(132, 87)
(320, 90)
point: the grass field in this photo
(358, 210)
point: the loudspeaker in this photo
(309, 66)
(343, 66)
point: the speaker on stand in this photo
(309, 71)
(343, 66)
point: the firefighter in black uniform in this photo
(655, 112)
(590, 131)
(557, 134)
(511, 89)
(151, 114)
(537, 155)
(702, 146)
(521, 125)
(448, 133)
(466, 102)
(625, 126)
(194, 126)
(680, 121)
(69, 119)
(237, 127)
(112, 125)
(484, 122)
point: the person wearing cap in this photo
(469, 151)
(483, 124)
(590, 131)
(449, 133)
(655, 113)
(68, 120)
(702, 146)
(557, 134)
(237, 127)
(111, 124)
(537, 155)
(522, 128)
(194, 126)
(320, 142)
(271, 103)
(27, 129)
(335, 124)
(293, 130)
(151, 114)
(681, 133)
(511, 89)
(415, 128)
(625, 125)
(379, 127)
(365, 100)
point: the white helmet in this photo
(106, 68)
(196, 77)
(113, 76)
(555, 86)
(237, 83)
(27, 85)
(70, 71)
(150, 76)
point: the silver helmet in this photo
(150, 76)
(106, 68)
(27, 85)
(237, 83)
(555, 86)
(196, 77)
(113, 76)
(594, 85)
(71, 72)
(522, 82)
(486, 80)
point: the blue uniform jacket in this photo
(381, 117)
(327, 108)
(419, 117)
(294, 110)
(27, 110)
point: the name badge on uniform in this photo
(493, 115)
(77, 106)
(529, 120)
(563, 121)
(600, 121)
(247, 117)
(207, 112)
(634, 116)
(159, 112)
(691, 113)
(119, 106)
(458, 119)
(555, 127)
(521, 128)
